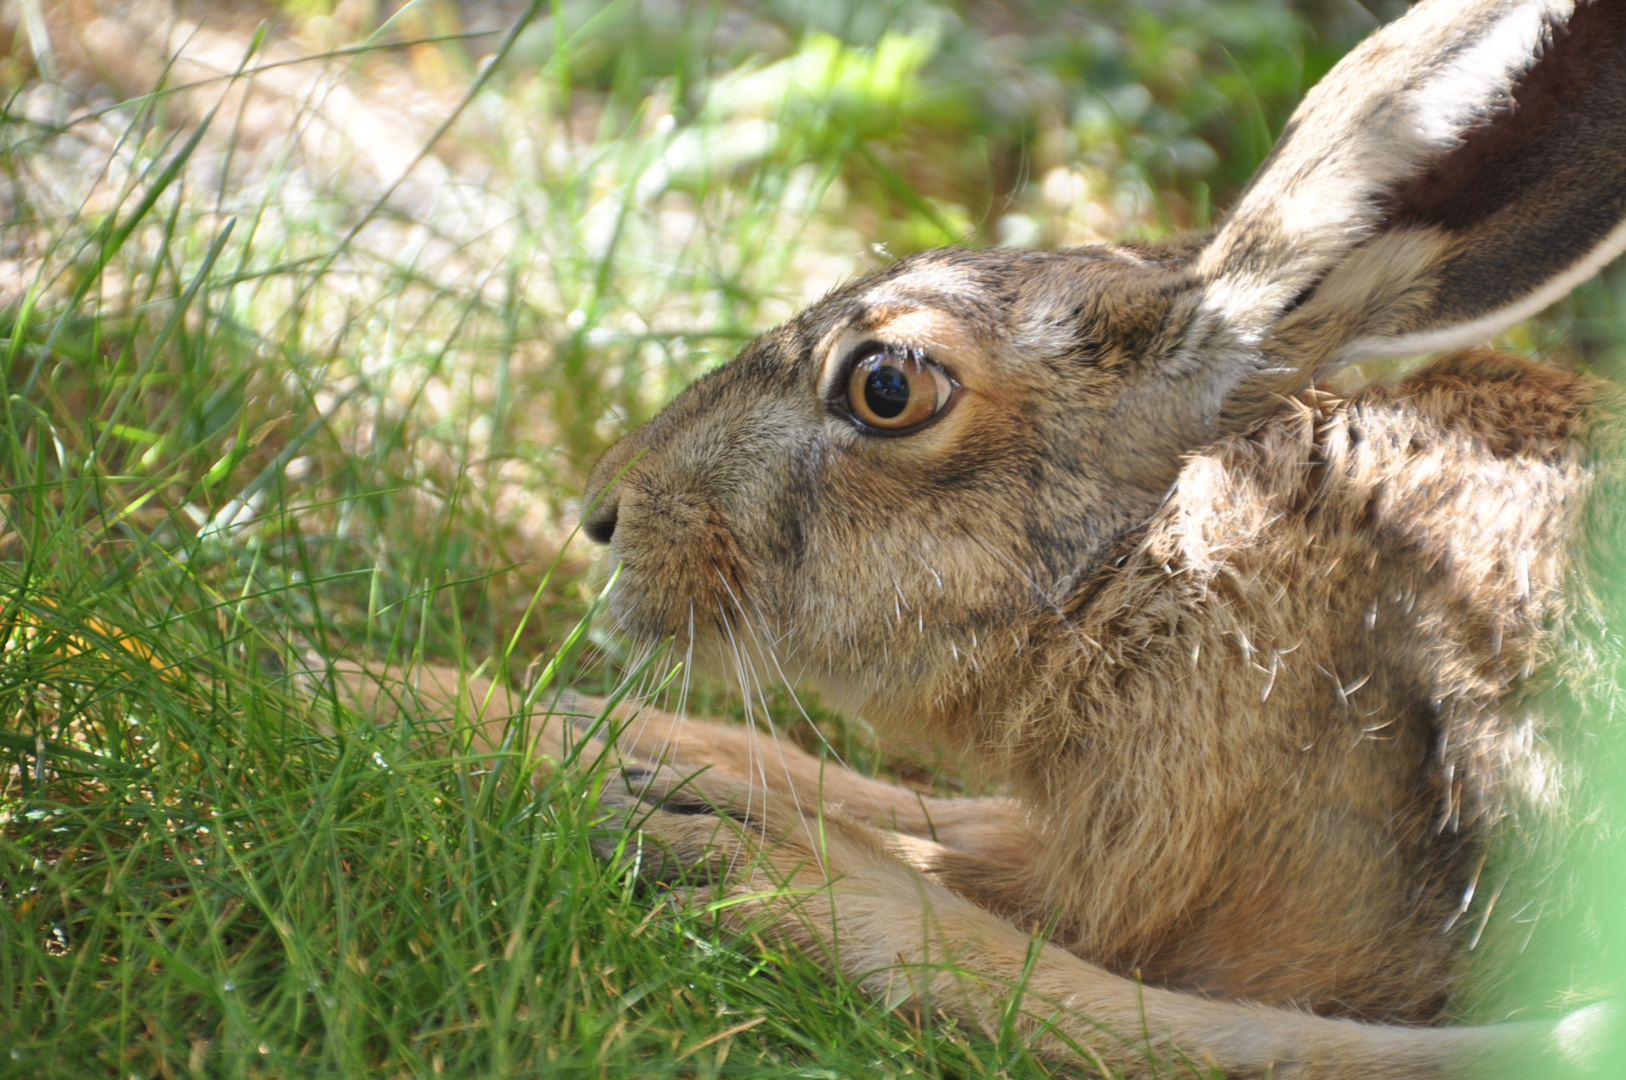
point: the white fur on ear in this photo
(1401, 101)
(1580, 1038)
(1324, 264)
(1482, 329)
(1477, 78)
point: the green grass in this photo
(271, 402)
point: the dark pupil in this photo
(886, 392)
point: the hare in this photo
(1259, 667)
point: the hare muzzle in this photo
(698, 506)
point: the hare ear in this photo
(1458, 171)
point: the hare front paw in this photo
(813, 882)
(709, 834)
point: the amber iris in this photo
(894, 389)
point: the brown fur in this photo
(1259, 667)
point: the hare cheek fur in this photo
(1257, 665)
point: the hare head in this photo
(950, 450)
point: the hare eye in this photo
(893, 390)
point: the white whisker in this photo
(767, 648)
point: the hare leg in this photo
(982, 848)
(975, 826)
(648, 735)
(838, 890)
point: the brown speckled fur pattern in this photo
(1253, 755)
(1257, 666)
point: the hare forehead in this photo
(990, 285)
(940, 280)
(1034, 304)
(947, 310)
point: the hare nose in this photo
(599, 521)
